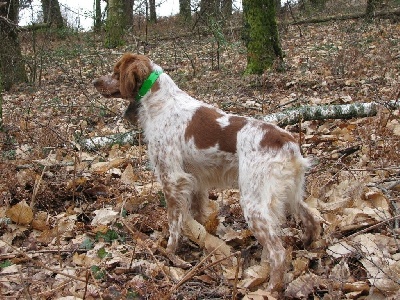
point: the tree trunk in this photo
(371, 8)
(97, 16)
(393, 14)
(153, 14)
(52, 13)
(226, 8)
(12, 68)
(1, 104)
(260, 34)
(129, 12)
(116, 24)
(278, 6)
(209, 8)
(184, 10)
(318, 4)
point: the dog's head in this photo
(128, 75)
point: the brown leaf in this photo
(259, 295)
(303, 286)
(97, 191)
(128, 176)
(102, 167)
(300, 265)
(255, 275)
(20, 213)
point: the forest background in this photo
(82, 216)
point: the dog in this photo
(194, 146)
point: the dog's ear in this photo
(134, 69)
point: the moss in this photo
(260, 34)
(115, 24)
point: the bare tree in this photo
(153, 14)
(226, 8)
(209, 8)
(115, 24)
(184, 9)
(97, 15)
(129, 12)
(12, 68)
(52, 13)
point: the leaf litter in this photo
(98, 227)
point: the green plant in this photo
(109, 236)
(5, 264)
(97, 272)
(102, 253)
(86, 244)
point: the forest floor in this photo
(92, 223)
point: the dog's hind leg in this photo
(265, 226)
(178, 191)
(299, 209)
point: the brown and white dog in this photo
(195, 146)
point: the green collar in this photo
(147, 84)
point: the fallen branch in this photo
(308, 113)
(381, 14)
(42, 265)
(287, 117)
(97, 142)
(371, 227)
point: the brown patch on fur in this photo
(228, 137)
(274, 138)
(207, 132)
(155, 87)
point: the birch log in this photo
(287, 117)
(307, 113)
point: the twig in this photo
(234, 292)
(372, 227)
(41, 265)
(45, 294)
(172, 257)
(197, 268)
(86, 283)
(36, 189)
(13, 255)
(150, 252)
(94, 282)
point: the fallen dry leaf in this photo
(255, 275)
(20, 213)
(259, 295)
(128, 176)
(104, 216)
(303, 286)
(384, 274)
(102, 167)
